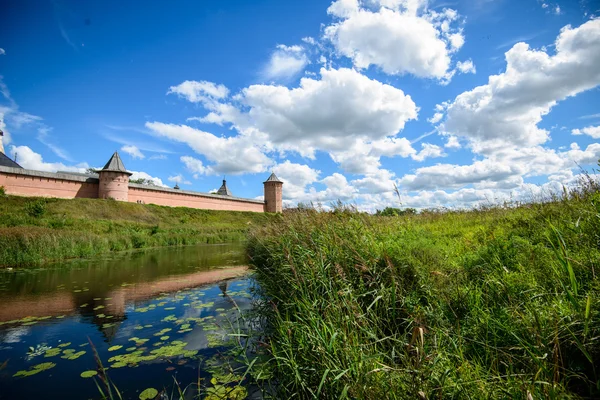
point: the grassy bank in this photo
(37, 230)
(497, 303)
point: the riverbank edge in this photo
(35, 232)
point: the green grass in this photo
(34, 231)
(502, 303)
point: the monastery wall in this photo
(183, 198)
(22, 182)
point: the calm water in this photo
(151, 315)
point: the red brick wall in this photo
(44, 186)
(150, 196)
(26, 185)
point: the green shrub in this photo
(36, 208)
(2, 192)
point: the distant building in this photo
(112, 182)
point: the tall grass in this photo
(500, 303)
(36, 230)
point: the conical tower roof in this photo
(273, 178)
(115, 164)
(224, 190)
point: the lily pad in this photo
(115, 348)
(35, 369)
(148, 394)
(88, 374)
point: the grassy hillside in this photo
(37, 230)
(501, 303)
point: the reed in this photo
(501, 302)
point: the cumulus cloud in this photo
(399, 36)
(285, 63)
(466, 67)
(452, 143)
(428, 151)
(506, 111)
(2, 51)
(29, 159)
(143, 175)
(231, 155)
(504, 169)
(593, 131)
(327, 113)
(194, 165)
(197, 92)
(179, 179)
(133, 151)
(296, 177)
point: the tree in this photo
(143, 181)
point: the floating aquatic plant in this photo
(148, 394)
(115, 348)
(36, 369)
(88, 374)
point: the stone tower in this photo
(114, 180)
(273, 194)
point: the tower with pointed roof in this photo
(224, 190)
(273, 194)
(114, 180)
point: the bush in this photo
(2, 192)
(36, 208)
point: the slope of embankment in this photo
(502, 303)
(38, 230)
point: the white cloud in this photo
(466, 67)
(201, 91)
(158, 157)
(338, 188)
(295, 178)
(376, 183)
(133, 151)
(194, 165)
(505, 169)
(143, 175)
(507, 110)
(593, 131)
(399, 36)
(179, 179)
(285, 63)
(428, 151)
(437, 117)
(2, 51)
(452, 143)
(326, 114)
(29, 159)
(232, 155)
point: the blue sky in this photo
(456, 103)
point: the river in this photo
(155, 317)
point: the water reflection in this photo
(147, 313)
